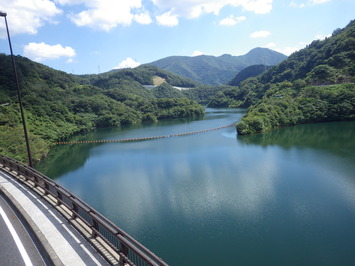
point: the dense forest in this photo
(58, 105)
(314, 84)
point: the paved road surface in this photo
(62, 242)
(16, 246)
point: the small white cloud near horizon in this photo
(128, 63)
(197, 53)
(260, 34)
(286, 50)
(42, 51)
(322, 37)
(231, 20)
(271, 45)
(167, 19)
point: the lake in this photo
(286, 197)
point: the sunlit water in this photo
(286, 197)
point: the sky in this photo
(95, 36)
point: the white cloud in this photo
(128, 63)
(257, 6)
(316, 2)
(300, 5)
(260, 34)
(104, 14)
(26, 16)
(231, 20)
(42, 51)
(143, 18)
(308, 3)
(167, 19)
(197, 53)
(288, 50)
(194, 9)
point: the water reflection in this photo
(73, 156)
(283, 198)
(335, 137)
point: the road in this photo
(48, 232)
(16, 245)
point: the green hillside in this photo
(165, 90)
(314, 84)
(213, 70)
(142, 75)
(58, 105)
(248, 72)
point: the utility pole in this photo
(3, 14)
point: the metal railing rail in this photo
(130, 251)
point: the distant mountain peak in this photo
(226, 55)
(262, 50)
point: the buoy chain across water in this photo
(139, 139)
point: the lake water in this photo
(286, 197)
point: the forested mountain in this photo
(250, 71)
(142, 75)
(58, 105)
(314, 84)
(219, 70)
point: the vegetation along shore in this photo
(315, 84)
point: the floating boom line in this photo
(140, 139)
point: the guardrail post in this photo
(74, 211)
(60, 197)
(124, 250)
(94, 228)
(46, 188)
(36, 180)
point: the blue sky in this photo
(95, 36)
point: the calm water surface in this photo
(286, 197)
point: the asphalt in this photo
(46, 236)
(10, 249)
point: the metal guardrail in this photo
(130, 251)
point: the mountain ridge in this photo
(217, 70)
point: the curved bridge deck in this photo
(69, 231)
(62, 244)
